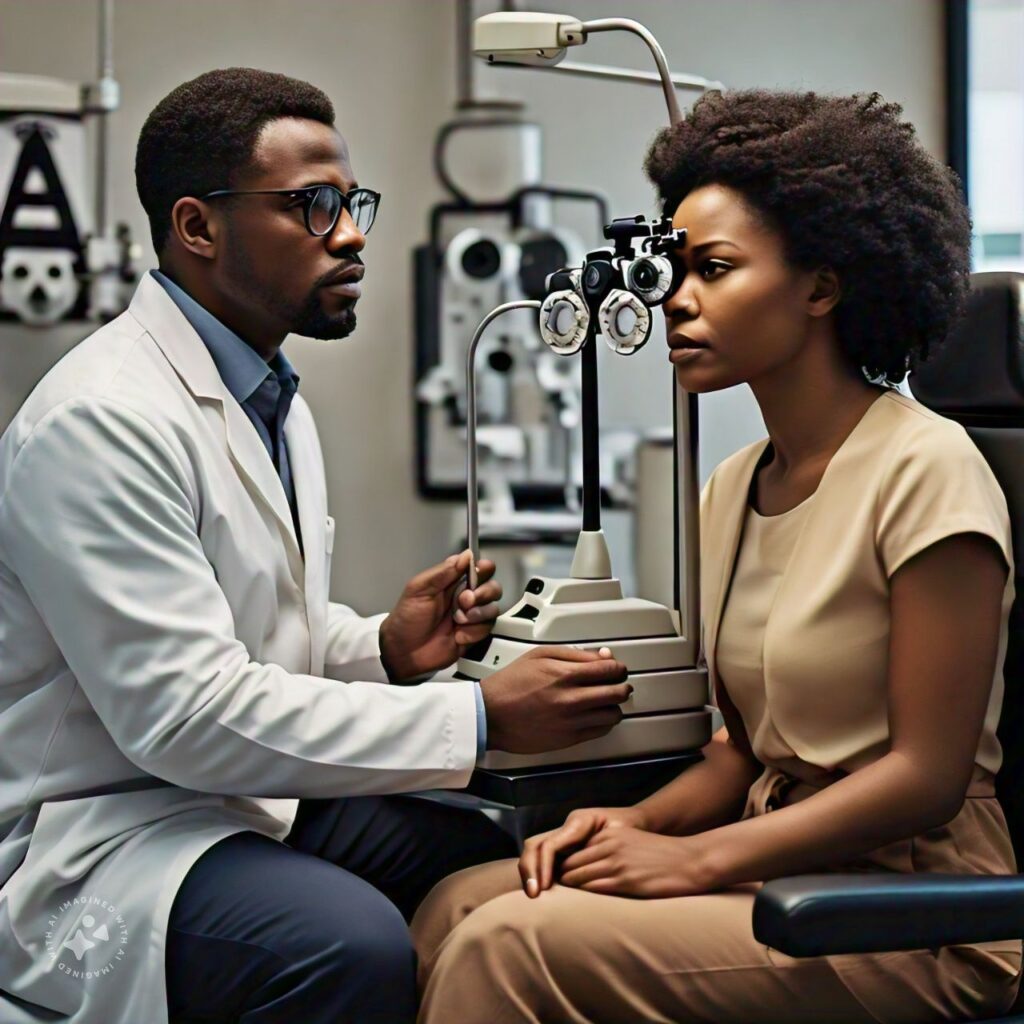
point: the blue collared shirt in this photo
(265, 392)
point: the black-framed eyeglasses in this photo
(321, 204)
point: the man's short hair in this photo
(202, 136)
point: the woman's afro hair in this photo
(202, 134)
(848, 186)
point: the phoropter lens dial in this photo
(625, 322)
(564, 319)
(650, 277)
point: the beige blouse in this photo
(807, 632)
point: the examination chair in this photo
(977, 379)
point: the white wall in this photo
(388, 66)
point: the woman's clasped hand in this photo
(611, 850)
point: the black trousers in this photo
(313, 930)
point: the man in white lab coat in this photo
(193, 740)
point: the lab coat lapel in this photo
(254, 464)
(191, 360)
(721, 544)
(306, 463)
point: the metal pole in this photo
(472, 497)
(106, 62)
(590, 420)
(686, 442)
(463, 49)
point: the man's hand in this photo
(433, 622)
(553, 697)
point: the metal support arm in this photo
(472, 497)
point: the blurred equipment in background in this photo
(495, 239)
(60, 259)
(483, 252)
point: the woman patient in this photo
(856, 582)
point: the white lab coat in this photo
(163, 654)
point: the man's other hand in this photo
(553, 697)
(434, 620)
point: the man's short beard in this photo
(313, 322)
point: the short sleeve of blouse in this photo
(937, 486)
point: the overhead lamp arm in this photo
(628, 25)
(541, 40)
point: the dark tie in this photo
(270, 402)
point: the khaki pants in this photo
(490, 955)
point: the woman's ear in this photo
(193, 227)
(825, 293)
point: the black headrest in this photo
(977, 374)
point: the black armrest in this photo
(818, 915)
